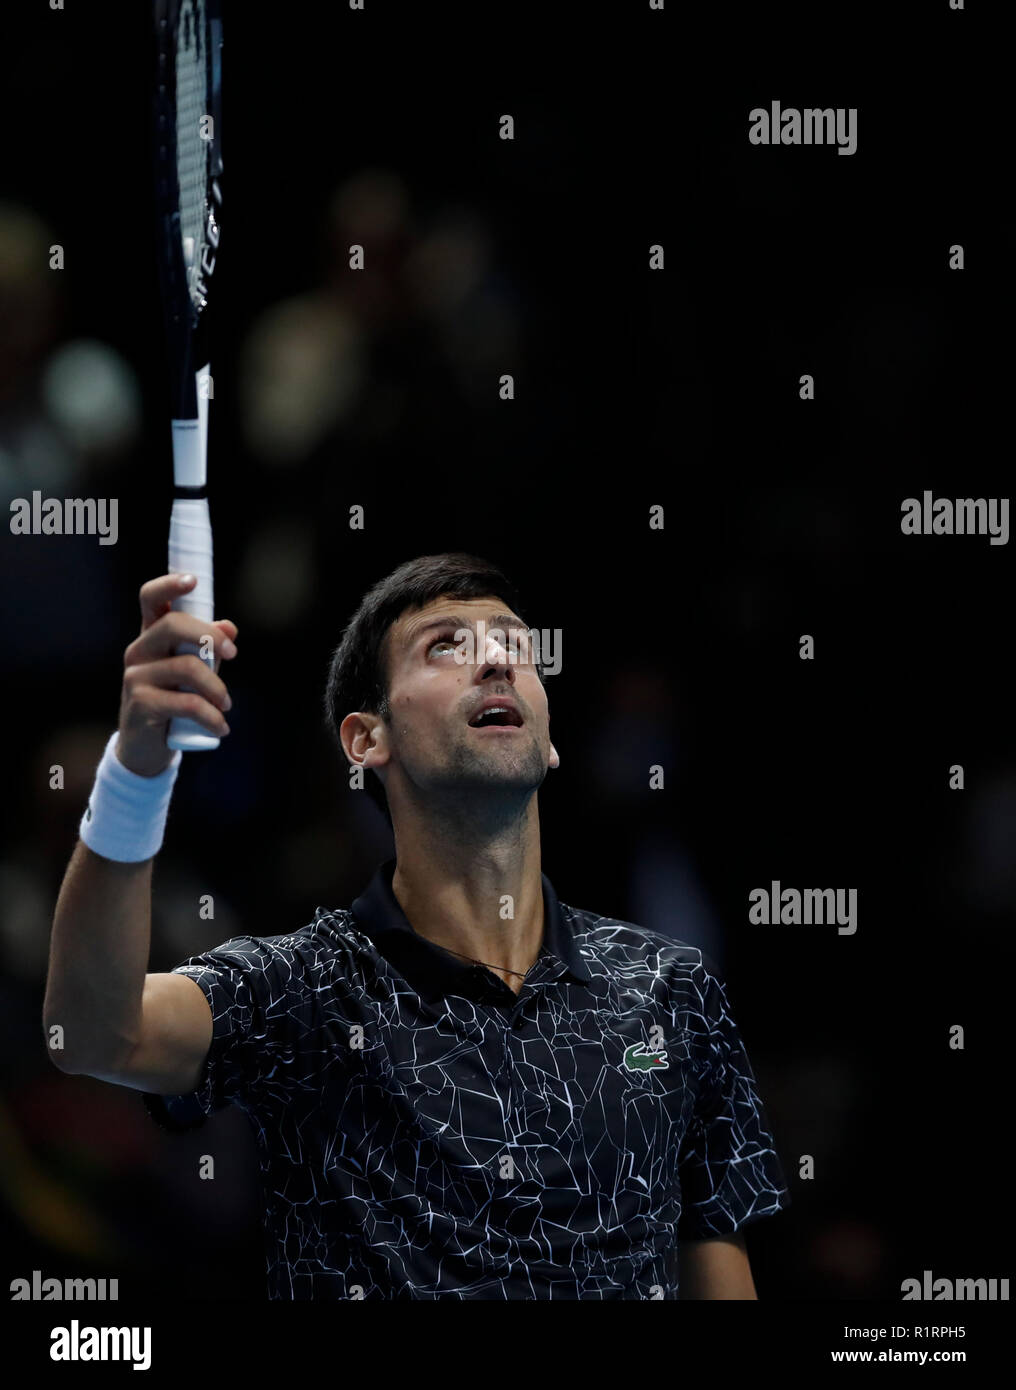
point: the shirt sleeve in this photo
(728, 1167)
(249, 984)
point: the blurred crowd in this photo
(355, 368)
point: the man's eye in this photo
(515, 641)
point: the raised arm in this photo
(111, 1018)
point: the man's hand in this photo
(150, 696)
(715, 1268)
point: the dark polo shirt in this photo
(422, 1132)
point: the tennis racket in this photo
(188, 180)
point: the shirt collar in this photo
(379, 913)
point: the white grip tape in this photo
(190, 552)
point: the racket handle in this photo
(190, 552)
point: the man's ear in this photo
(368, 744)
(555, 760)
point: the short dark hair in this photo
(358, 674)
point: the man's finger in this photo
(157, 595)
(163, 637)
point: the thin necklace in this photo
(502, 968)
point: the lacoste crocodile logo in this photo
(637, 1060)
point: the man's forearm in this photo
(716, 1268)
(98, 959)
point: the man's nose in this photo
(496, 654)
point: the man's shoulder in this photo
(330, 937)
(618, 944)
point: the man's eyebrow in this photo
(455, 621)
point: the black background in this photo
(677, 388)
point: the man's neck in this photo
(483, 903)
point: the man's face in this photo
(437, 735)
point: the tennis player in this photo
(460, 1086)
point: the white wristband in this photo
(126, 815)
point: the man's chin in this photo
(491, 775)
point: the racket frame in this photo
(187, 327)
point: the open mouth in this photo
(502, 717)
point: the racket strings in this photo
(193, 149)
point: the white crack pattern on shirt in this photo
(484, 1147)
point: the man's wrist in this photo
(125, 819)
(140, 767)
